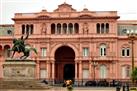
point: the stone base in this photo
(19, 70)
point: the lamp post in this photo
(132, 35)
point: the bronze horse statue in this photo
(20, 46)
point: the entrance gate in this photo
(64, 64)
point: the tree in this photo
(134, 74)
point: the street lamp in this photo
(132, 35)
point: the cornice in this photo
(64, 18)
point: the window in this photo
(58, 28)
(76, 28)
(98, 28)
(125, 71)
(107, 27)
(31, 29)
(64, 28)
(103, 71)
(125, 52)
(103, 50)
(43, 73)
(23, 29)
(43, 52)
(9, 32)
(70, 28)
(27, 29)
(53, 28)
(85, 52)
(102, 28)
(85, 73)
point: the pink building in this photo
(79, 45)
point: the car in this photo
(91, 83)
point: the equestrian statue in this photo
(20, 46)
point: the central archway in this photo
(64, 64)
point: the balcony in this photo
(98, 58)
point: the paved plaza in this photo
(75, 89)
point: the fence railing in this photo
(96, 83)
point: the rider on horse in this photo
(20, 46)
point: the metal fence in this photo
(95, 83)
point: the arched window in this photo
(64, 28)
(125, 52)
(6, 51)
(103, 71)
(102, 50)
(70, 28)
(76, 28)
(23, 29)
(31, 29)
(125, 71)
(58, 28)
(107, 28)
(52, 28)
(27, 29)
(98, 28)
(102, 28)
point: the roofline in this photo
(5, 25)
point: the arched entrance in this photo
(64, 64)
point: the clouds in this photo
(127, 9)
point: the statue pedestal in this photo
(19, 69)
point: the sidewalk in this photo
(75, 89)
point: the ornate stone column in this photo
(80, 71)
(76, 70)
(62, 29)
(56, 31)
(90, 68)
(73, 29)
(53, 71)
(48, 71)
(67, 32)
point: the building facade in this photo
(78, 45)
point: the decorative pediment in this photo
(43, 15)
(65, 8)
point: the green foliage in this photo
(134, 74)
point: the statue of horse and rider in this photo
(20, 46)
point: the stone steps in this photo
(32, 84)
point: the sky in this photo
(127, 9)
